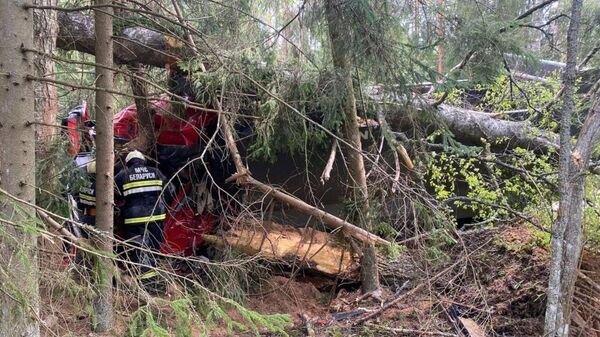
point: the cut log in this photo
(307, 248)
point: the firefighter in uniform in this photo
(140, 188)
(86, 205)
(86, 199)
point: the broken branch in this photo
(327, 171)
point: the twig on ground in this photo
(404, 295)
(411, 332)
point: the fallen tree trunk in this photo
(146, 46)
(307, 248)
(470, 126)
(132, 45)
(473, 125)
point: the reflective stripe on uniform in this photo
(142, 189)
(87, 197)
(86, 202)
(155, 182)
(144, 219)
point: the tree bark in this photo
(104, 166)
(343, 67)
(145, 137)
(470, 125)
(135, 44)
(19, 295)
(46, 95)
(566, 244)
(139, 45)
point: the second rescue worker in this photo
(141, 188)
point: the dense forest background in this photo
(450, 146)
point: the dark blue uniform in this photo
(86, 201)
(141, 188)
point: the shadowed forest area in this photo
(299, 168)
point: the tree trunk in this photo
(135, 44)
(46, 96)
(343, 67)
(561, 283)
(145, 137)
(19, 296)
(104, 166)
(440, 33)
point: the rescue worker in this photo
(86, 198)
(86, 205)
(139, 188)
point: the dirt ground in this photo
(496, 285)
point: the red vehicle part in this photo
(74, 123)
(170, 129)
(73, 136)
(183, 227)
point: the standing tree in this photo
(46, 95)
(19, 297)
(105, 164)
(567, 234)
(338, 35)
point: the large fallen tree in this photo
(139, 45)
(132, 45)
(474, 125)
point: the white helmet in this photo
(91, 167)
(134, 154)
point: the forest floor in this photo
(488, 283)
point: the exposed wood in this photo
(188, 34)
(329, 166)
(473, 329)
(402, 153)
(307, 248)
(396, 146)
(61, 229)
